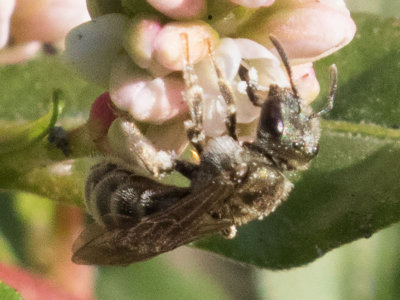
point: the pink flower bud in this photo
(306, 81)
(139, 41)
(291, 4)
(26, 8)
(46, 20)
(307, 29)
(168, 45)
(253, 3)
(180, 9)
(101, 116)
(19, 53)
(147, 99)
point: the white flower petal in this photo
(306, 81)
(246, 111)
(263, 65)
(46, 20)
(92, 47)
(252, 50)
(264, 61)
(180, 9)
(228, 56)
(254, 3)
(19, 53)
(214, 114)
(6, 9)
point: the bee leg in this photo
(186, 168)
(251, 88)
(227, 94)
(230, 232)
(194, 99)
(136, 148)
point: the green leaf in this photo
(17, 137)
(12, 227)
(8, 293)
(25, 88)
(134, 7)
(98, 8)
(152, 280)
(366, 269)
(352, 188)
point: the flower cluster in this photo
(134, 50)
(25, 25)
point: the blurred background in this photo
(365, 269)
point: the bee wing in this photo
(180, 224)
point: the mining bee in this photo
(138, 217)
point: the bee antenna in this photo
(285, 60)
(332, 93)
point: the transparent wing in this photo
(166, 230)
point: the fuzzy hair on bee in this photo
(137, 217)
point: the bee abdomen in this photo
(107, 196)
(116, 196)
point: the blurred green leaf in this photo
(352, 188)
(12, 227)
(387, 8)
(154, 279)
(6, 252)
(8, 293)
(17, 137)
(26, 89)
(366, 269)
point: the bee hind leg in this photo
(132, 146)
(229, 233)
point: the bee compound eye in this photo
(271, 120)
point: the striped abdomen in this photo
(116, 196)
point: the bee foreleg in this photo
(194, 99)
(251, 88)
(186, 168)
(227, 94)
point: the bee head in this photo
(287, 129)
